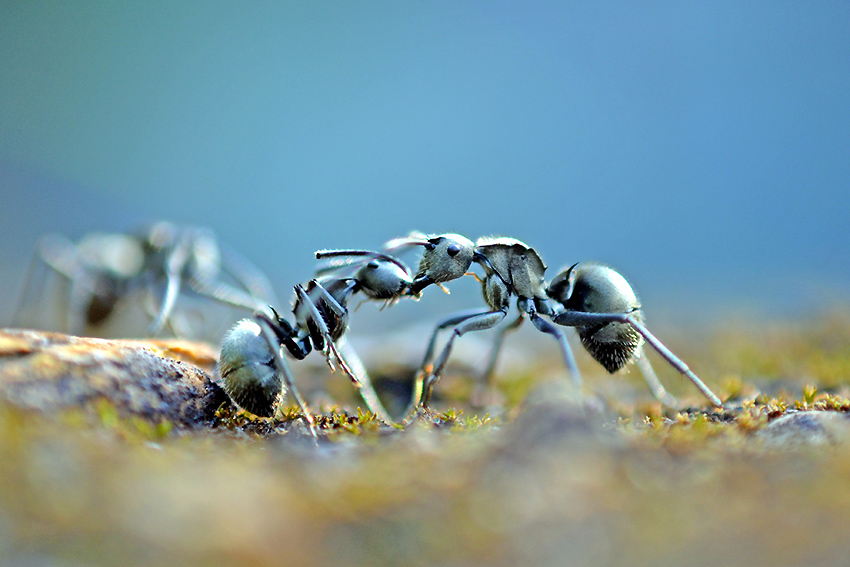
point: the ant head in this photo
(446, 257)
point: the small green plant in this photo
(809, 393)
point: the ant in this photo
(596, 300)
(511, 268)
(103, 269)
(254, 372)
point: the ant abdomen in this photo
(247, 368)
(594, 288)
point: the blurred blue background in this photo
(702, 149)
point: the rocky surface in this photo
(156, 380)
(805, 428)
(606, 478)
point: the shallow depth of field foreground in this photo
(94, 472)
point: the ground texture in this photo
(127, 453)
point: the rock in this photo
(553, 417)
(157, 380)
(805, 428)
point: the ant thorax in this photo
(516, 263)
(383, 279)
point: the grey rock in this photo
(805, 428)
(47, 372)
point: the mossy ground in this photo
(610, 480)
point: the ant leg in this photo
(675, 361)
(486, 380)
(177, 328)
(174, 265)
(172, 290)
(652, 380)
(348, 358)
(487, 377)
(80, 295)
(367, 391)
(578, 319)
(227, 294)
(329, 299)
(49, 250)
(247, 275)
(60, 255)
(283, 369)
(444, 324)
(475, 322)
(425, 367)
(570, 361)
(319, 321)
(151, 302)
(34, 281)
(33, 285)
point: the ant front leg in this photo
(569, 359)
(342, 351)
(267, 327)
(65, 259)
(471, 322)
(486, 381)
(316, 318)
(455, 319)
(425, 368)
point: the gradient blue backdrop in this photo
(701, 148)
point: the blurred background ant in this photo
(107, 280)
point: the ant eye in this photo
(373, 265)
(453, 250)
